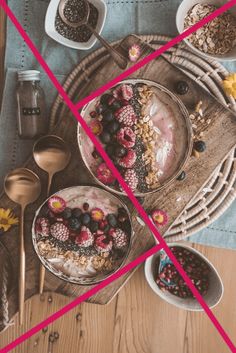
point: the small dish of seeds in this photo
(165, 280)
(77, 38)
(217, 39)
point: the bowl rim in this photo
(178, 17)
(49, 25)
(189, 130)
(149, 277)
(63, 276)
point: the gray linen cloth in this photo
(124, 17)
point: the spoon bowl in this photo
(23, 187)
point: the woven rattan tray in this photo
(220, 191)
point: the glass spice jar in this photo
(32, 121)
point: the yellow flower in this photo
(7, 219)
(229, 85)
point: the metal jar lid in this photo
(29, 75)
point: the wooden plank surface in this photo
(137, 321)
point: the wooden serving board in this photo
(220, 137)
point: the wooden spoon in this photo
(23, 187)
(52, 154)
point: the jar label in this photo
(31, 111)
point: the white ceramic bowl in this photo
(214, 293)
(51, 30)
(183, 9)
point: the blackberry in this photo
(140, 167)
(112, 127)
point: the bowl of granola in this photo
(146, 131)
(82, 234)
(215, 40)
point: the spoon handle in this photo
(119, 59)
(22, 269)
(42, 268)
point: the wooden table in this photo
(136, 321)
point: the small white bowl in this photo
(212, 297)
(183, 9)
(52, 32)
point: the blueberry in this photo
(110, 150)
(105, 137)
(85, 219)
(112, 220)
(93, 226)
(105, 98)
(74, 223)
(77, 212)
(116, 105)
(86, 206)
(67, 213)
(100, 108)
(199, 146)
(120, 151)
(108, 116)
(182, 87)
(113, 127)
(182, 176)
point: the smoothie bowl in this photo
(82, 234)
(146, 131)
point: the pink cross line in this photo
(162, 243)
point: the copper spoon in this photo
(52, 154)
(23, 187)
(119, 59)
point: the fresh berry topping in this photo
(67, 213)
(182, 176)
(56, 204)
(86, 206)
(120, 151)
(103, 244)
(126, 115)
(93, 114)
(105, 98)
(182, 87)
(116, 105)
(59, 231)
(134, 52)
(100, 108)
(108, 116)
(131, 179)
(85, 238)
(128, 160)
(76, 212)
(42, 226)
(120, 238)
(199, 146)
(123, 92)
(104, 174)
(126, 137)
(105, 137)
(122, 215)
(93, 226)
(97, 214)
(112, 220)
(85, 219)
(113, 127)
(74, 223)
(110, 149)
(159, 217)
(95, 154)
(96, 127)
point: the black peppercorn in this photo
(200, 146)
(182, 87)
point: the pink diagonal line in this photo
(80, 299)
(155, 54)
(118, 176)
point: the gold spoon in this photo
(119, 59)
(23, 187)
(52, 154)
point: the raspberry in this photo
(85, 238)
(120, 238)
(42, 226)
(126, 137)
(103, 244)
(128, 160)
(126, 115)
(131, 179)
(123, 91)
(59, 231)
